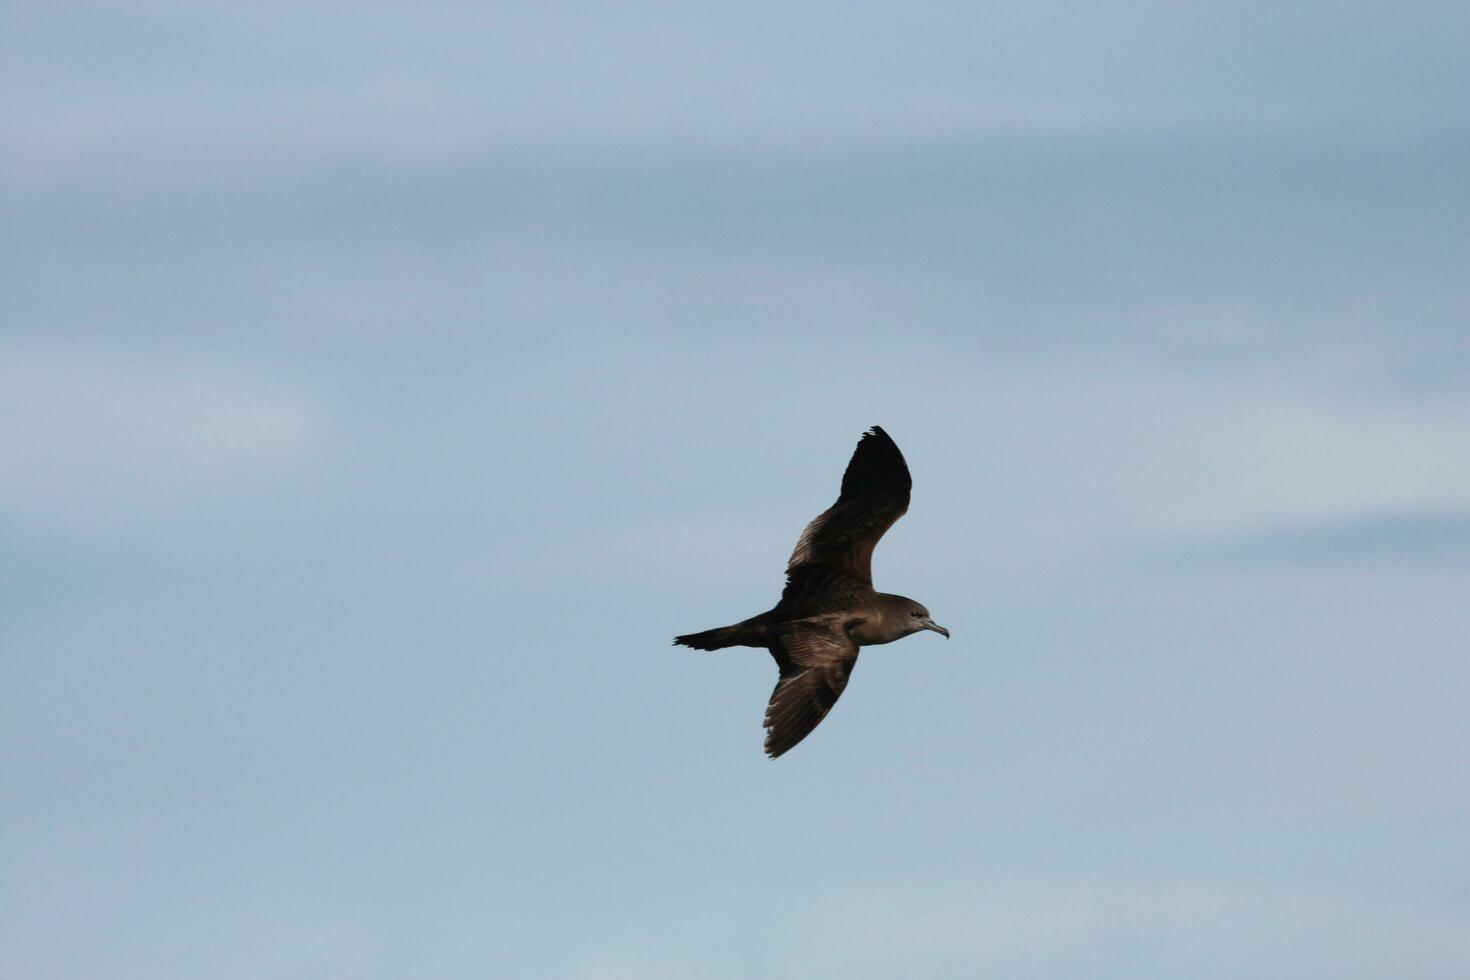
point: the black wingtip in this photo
(775, 748)
(876, 465)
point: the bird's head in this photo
(916, 618)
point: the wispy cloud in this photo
(93, 440)
(383, 385)
(1064, 925)
(1427, 536)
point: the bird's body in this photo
(829, 608)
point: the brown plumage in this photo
(829, 608)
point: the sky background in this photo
(382, 388)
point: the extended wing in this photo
(816, 660)
(836, 549)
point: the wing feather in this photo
(875, 494)
(816, 658)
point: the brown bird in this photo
(829, 608)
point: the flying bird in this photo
(829, 609)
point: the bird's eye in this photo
(914, 614)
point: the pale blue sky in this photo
(382, 388)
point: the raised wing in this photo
(815, 658)
(839, 543)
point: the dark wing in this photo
(836, 549)
(816, 659)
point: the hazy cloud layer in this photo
(382, 388)
(1409, 537)
(94, 440)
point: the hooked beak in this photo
(929, 624)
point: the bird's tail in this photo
(714, 639)
(749, 633)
